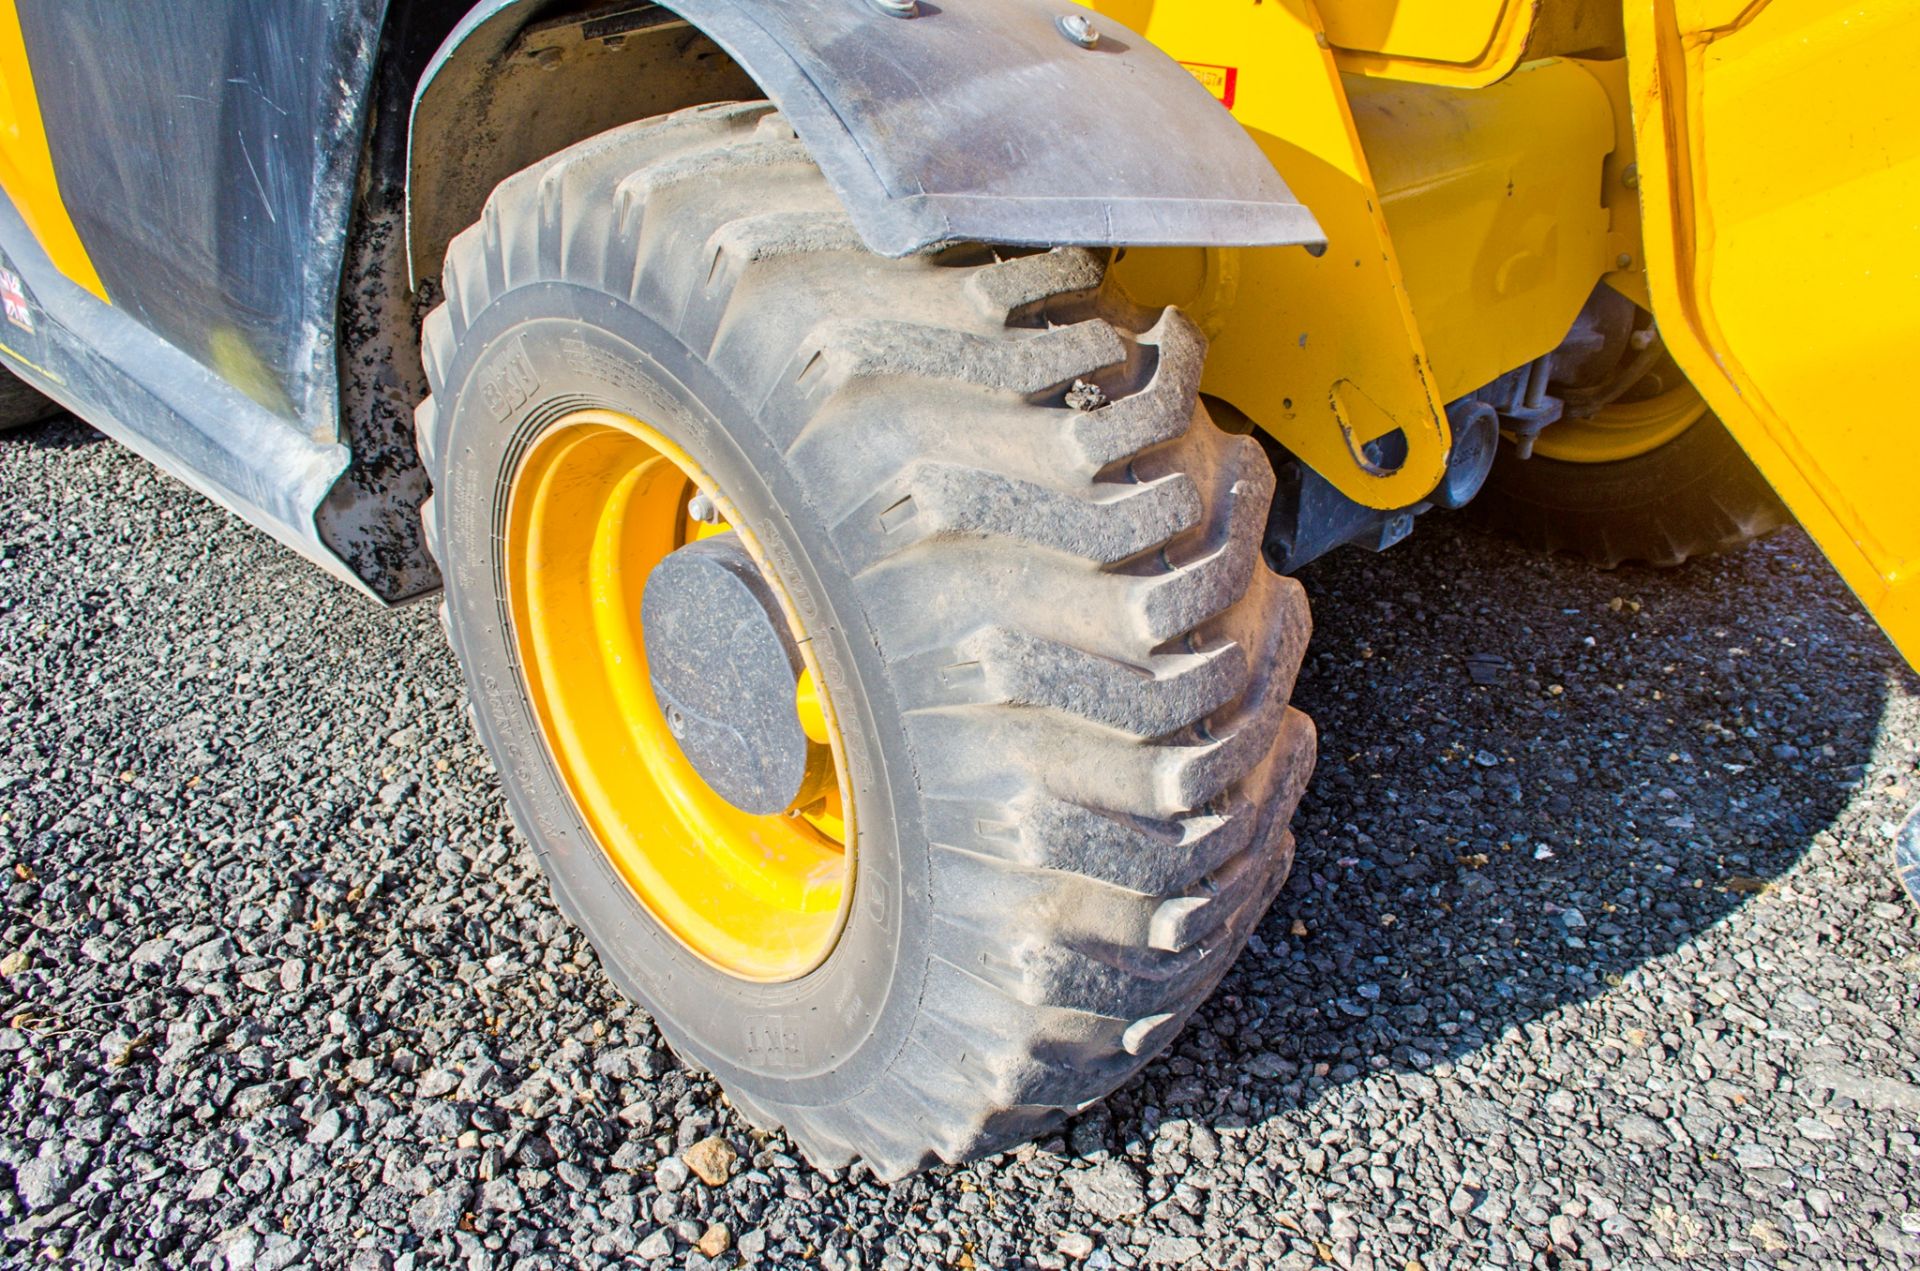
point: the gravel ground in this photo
(1592, 957)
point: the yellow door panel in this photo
(26, 167)
(1779, 153)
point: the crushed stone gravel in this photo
(1592, 957)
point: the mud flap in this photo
(989, 122)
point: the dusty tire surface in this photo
(1073, 756)
(1697, 495)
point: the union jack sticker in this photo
(14, 294)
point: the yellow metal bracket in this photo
(1322, 352)
(1494, 197)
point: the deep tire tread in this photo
(1091, 893)
(1697, 495)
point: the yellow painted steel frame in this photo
(1495, 200)
(1323, 352)
(26, 165)
(1466, 229)
(1779, 158)
(1459, 43)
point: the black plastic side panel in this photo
(206, 150)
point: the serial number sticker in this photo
(1222, 81)
(14, 293)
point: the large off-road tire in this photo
(22, 404)
(1060, 669)
(1696, 495)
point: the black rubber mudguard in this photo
(983, 121)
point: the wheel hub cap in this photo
(726, 671)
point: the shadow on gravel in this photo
(1534, 777)
(281, 986)
(62, 432)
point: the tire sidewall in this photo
(535, 355)
(1705, 456)
(1696, 495)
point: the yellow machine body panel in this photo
(1453, 32)
(1779, 159)
(1322, 351)
(1466, 227)
(1494, 199)
(1459, 42)
(1465, 43)
(1748, 172)
(26, 165)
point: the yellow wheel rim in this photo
(1623, 430)
(595, 504)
